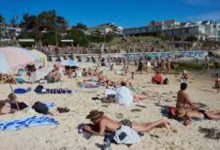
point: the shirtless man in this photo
(102, 124)
(185, 107)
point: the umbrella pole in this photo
(15, 97)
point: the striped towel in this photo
(27, 122)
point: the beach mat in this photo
(27, 122)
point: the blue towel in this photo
(27, 122)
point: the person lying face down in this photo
(186, 109)
(101, 124)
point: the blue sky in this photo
(127, 13)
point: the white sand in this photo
(65, 136)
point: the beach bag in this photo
(40, 107)
(126, 135)
(38, 89)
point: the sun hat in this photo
(95, 114)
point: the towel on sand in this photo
(27, 122)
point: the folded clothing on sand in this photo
(21, 90)
(27, 122)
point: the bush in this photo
(191, 39)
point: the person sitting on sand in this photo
(217, 83)
(84, 72)
(184, 76)
(185, 108)
(9, 105)
(124, 96)
(158, 78)
(101, 124)
(54, 75)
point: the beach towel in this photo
(89, 85)
(27, 122)
(41, 90)
(168, 111)
(58, 91)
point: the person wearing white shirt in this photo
(124, 96)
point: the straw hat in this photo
(95, 114)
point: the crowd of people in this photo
(120, 92)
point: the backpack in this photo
(166, 81)
(40, 107)
(38, 89)
(126, 135)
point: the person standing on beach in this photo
(140, 66)
(217, 83)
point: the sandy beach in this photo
(65, 136)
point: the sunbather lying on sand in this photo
(101, 124)
(185, 108)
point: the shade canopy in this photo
(39, 56)
(14, 57)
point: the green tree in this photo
(51, 38)
(13, 21)
(2, 21)
(191, 38)
(30, 27)
(177, 38)
(78, 36)
(80, 26)
(45, 25)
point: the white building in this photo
(8, 32)
(203, 30)
(107, 28)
